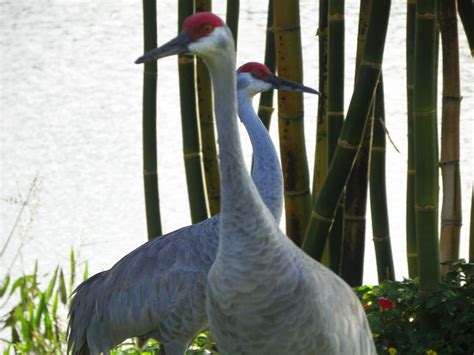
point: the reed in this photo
(426, 147)
(351, 134)
(150, 160)
(353, 246)
(265, 106)
(451, 210)
(190, 126)
(335, 116)
(291, 119)
(207, 125)
(378, 192)
(411, 249)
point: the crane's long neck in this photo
(240, 202)
(266, 170)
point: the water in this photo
(71, 115)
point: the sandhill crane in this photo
(264, 295)
(158, 289)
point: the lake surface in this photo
(71, 115)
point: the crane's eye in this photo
(256, 74)
(207, 29)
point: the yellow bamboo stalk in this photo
(290, 119)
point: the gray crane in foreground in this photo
(158, 290)
(264, 294)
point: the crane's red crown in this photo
(257, 70)
(201, 24)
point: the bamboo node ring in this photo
(321, 218)
(345, 144)
(286, 28)
(293, 193)
(192, 155)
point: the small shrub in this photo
(406, 321)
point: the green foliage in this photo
(202, 345)
(403, 318)
(37, 320)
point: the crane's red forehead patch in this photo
(201, 24)
(257, 70)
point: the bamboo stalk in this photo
(335, 115)
(353, 246)
(351, 134)
(471, 229)
(378, 192)
(265, 106)
(466, 13)
(150, 164)
(412, 249)
(207, 125)
(290, 119)
(190, 126)
(232, 18)
(451, 211)
(426, 148)
(320, 156)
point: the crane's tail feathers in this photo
(80, 314)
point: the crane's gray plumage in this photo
(264, 295)
(158, 290)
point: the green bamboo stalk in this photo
(150, 164)
(426, 147)
(335, 115)
(412, 249)
(232, 18)
(451, 211)
(378, 192)
(471, 229)
(207, 125)
(291, 119)
(466, 13)
(190, 127)
(351, 134)
(265, 106)
(321, 155)
(355, 205)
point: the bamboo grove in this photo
(328, 217)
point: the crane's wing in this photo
(146, 290)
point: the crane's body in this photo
(158, 290)
(264, 295)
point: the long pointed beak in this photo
(288, 85)
(177, 45)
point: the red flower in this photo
(385, 303)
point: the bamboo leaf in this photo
(54, 309)
(62, 288)
(52, 283)
(86, 272)
(41, 309)
(5, 285)
(72, 263)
